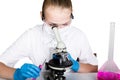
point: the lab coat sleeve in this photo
(18, 50)
(86, 52)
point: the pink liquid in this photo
(108, 76)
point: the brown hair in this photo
(58, 3)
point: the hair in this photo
(56, 3)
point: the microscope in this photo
(59, 62)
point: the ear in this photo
(72, 16)
(42, 15)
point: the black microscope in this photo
(59, 62)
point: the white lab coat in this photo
(38, 42)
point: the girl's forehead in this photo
(57, 9)
(57, 12)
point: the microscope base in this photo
(49, 77)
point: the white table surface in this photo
(76, 76)
(81, 76)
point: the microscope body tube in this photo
(60, 44)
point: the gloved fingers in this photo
(26, 67)
(35, 68)
(30, 70)
(76, 65)
(27, 74)
(69, 57)
(30, 75)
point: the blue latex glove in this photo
(75, 67)
(26, 71)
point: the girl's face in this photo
(58, 16)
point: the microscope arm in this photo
(60, 44)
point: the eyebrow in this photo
(58, 24)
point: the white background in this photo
(91, 16)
